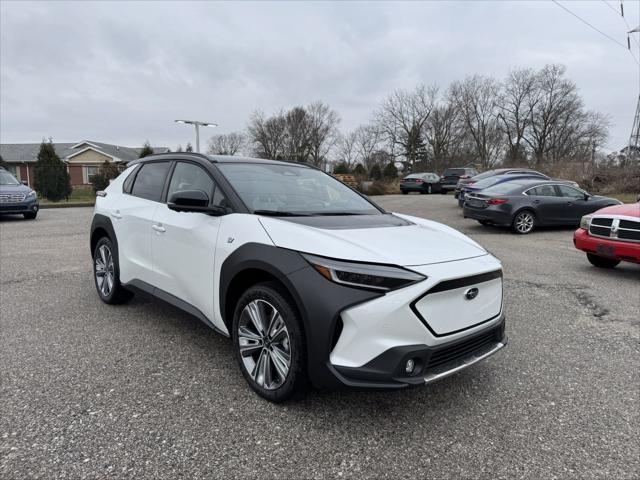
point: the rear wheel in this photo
(428, 189)
(269, 342)
(602, 262)
(106, 274)
(404, 192)
(524, 222)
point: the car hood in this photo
(628, 209)
(391, 239)
(14, 189)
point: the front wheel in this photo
(269, 343)
(602, 262)
(523, 222)
(443, 191)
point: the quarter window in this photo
(150, 181)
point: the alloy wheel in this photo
(105, 271)
(524, 222)
(265, 344)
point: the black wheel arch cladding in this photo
(101, 226)
(319, 301)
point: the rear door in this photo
(133, 220)
(183, 243)
(548, 204)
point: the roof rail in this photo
(163, 154)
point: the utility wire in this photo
(594, 28)
(624, 19)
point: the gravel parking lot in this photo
(146, 391)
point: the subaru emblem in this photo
(471, 293)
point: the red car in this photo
(610, 235)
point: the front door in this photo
(576, 204)
(183, 243)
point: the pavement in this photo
(143, 390)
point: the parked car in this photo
(610, 235)
(493, 180)
(528, 203)
(464, 181)
(16, 197)
(420, 182)
(310, 279)
(450, 177)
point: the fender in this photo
(102, 222)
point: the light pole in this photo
(197, 125)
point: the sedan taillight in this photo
(497, 201)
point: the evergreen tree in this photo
(3, 164)
(189, 147)
(51, 177)
(359, 170)
(179, 149)
(390, 171)
(375, 173)
(146, 150)
(341, 168)
(108, 171)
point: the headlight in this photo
(362, 275)
(585, 222)
(32, 193)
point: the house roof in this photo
(28, 152)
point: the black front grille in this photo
(629, 234)
(595, 230)
(464, 348)
(602, 221)
(630, 224)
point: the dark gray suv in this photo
(16, 197)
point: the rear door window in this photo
(150, 180)
(570, 192)
(543, 191)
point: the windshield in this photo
(7, 179)
(487, 182)
(457, 172)
(292, 189)
(487, 174)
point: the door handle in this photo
(116, 215)
(159, 228)
(536, 202)
(569, 203)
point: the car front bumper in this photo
(441, 332)
(26, 206)
(610, 248)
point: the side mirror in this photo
(587, 196)
(193, 201)
(24, 182)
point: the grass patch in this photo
(78, 195)
(624, 197)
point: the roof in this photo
(219, 159)
(28, 152)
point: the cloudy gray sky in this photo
(122, 72)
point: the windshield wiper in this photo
(278, 213)
(337, 214)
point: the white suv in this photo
(313, 281)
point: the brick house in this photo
(83, 159)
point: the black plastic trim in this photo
(140, 286)
(452, 285)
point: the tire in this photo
(254, 348)
(524, 222)
(30, 215)
(602, 262)
(484, 222)
(404, 192)
(429, 191)
(106, 274)
(443, 192)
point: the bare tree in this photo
(297, 144)
(268, 136)
(346, 149)
(368, 138)
(323, 133)
(442, 134)
(518, 98)
(476, 99)
(402, 118)
(226, 144)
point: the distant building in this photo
(83, 159)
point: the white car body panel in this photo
(419, 244)
(375, 326)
